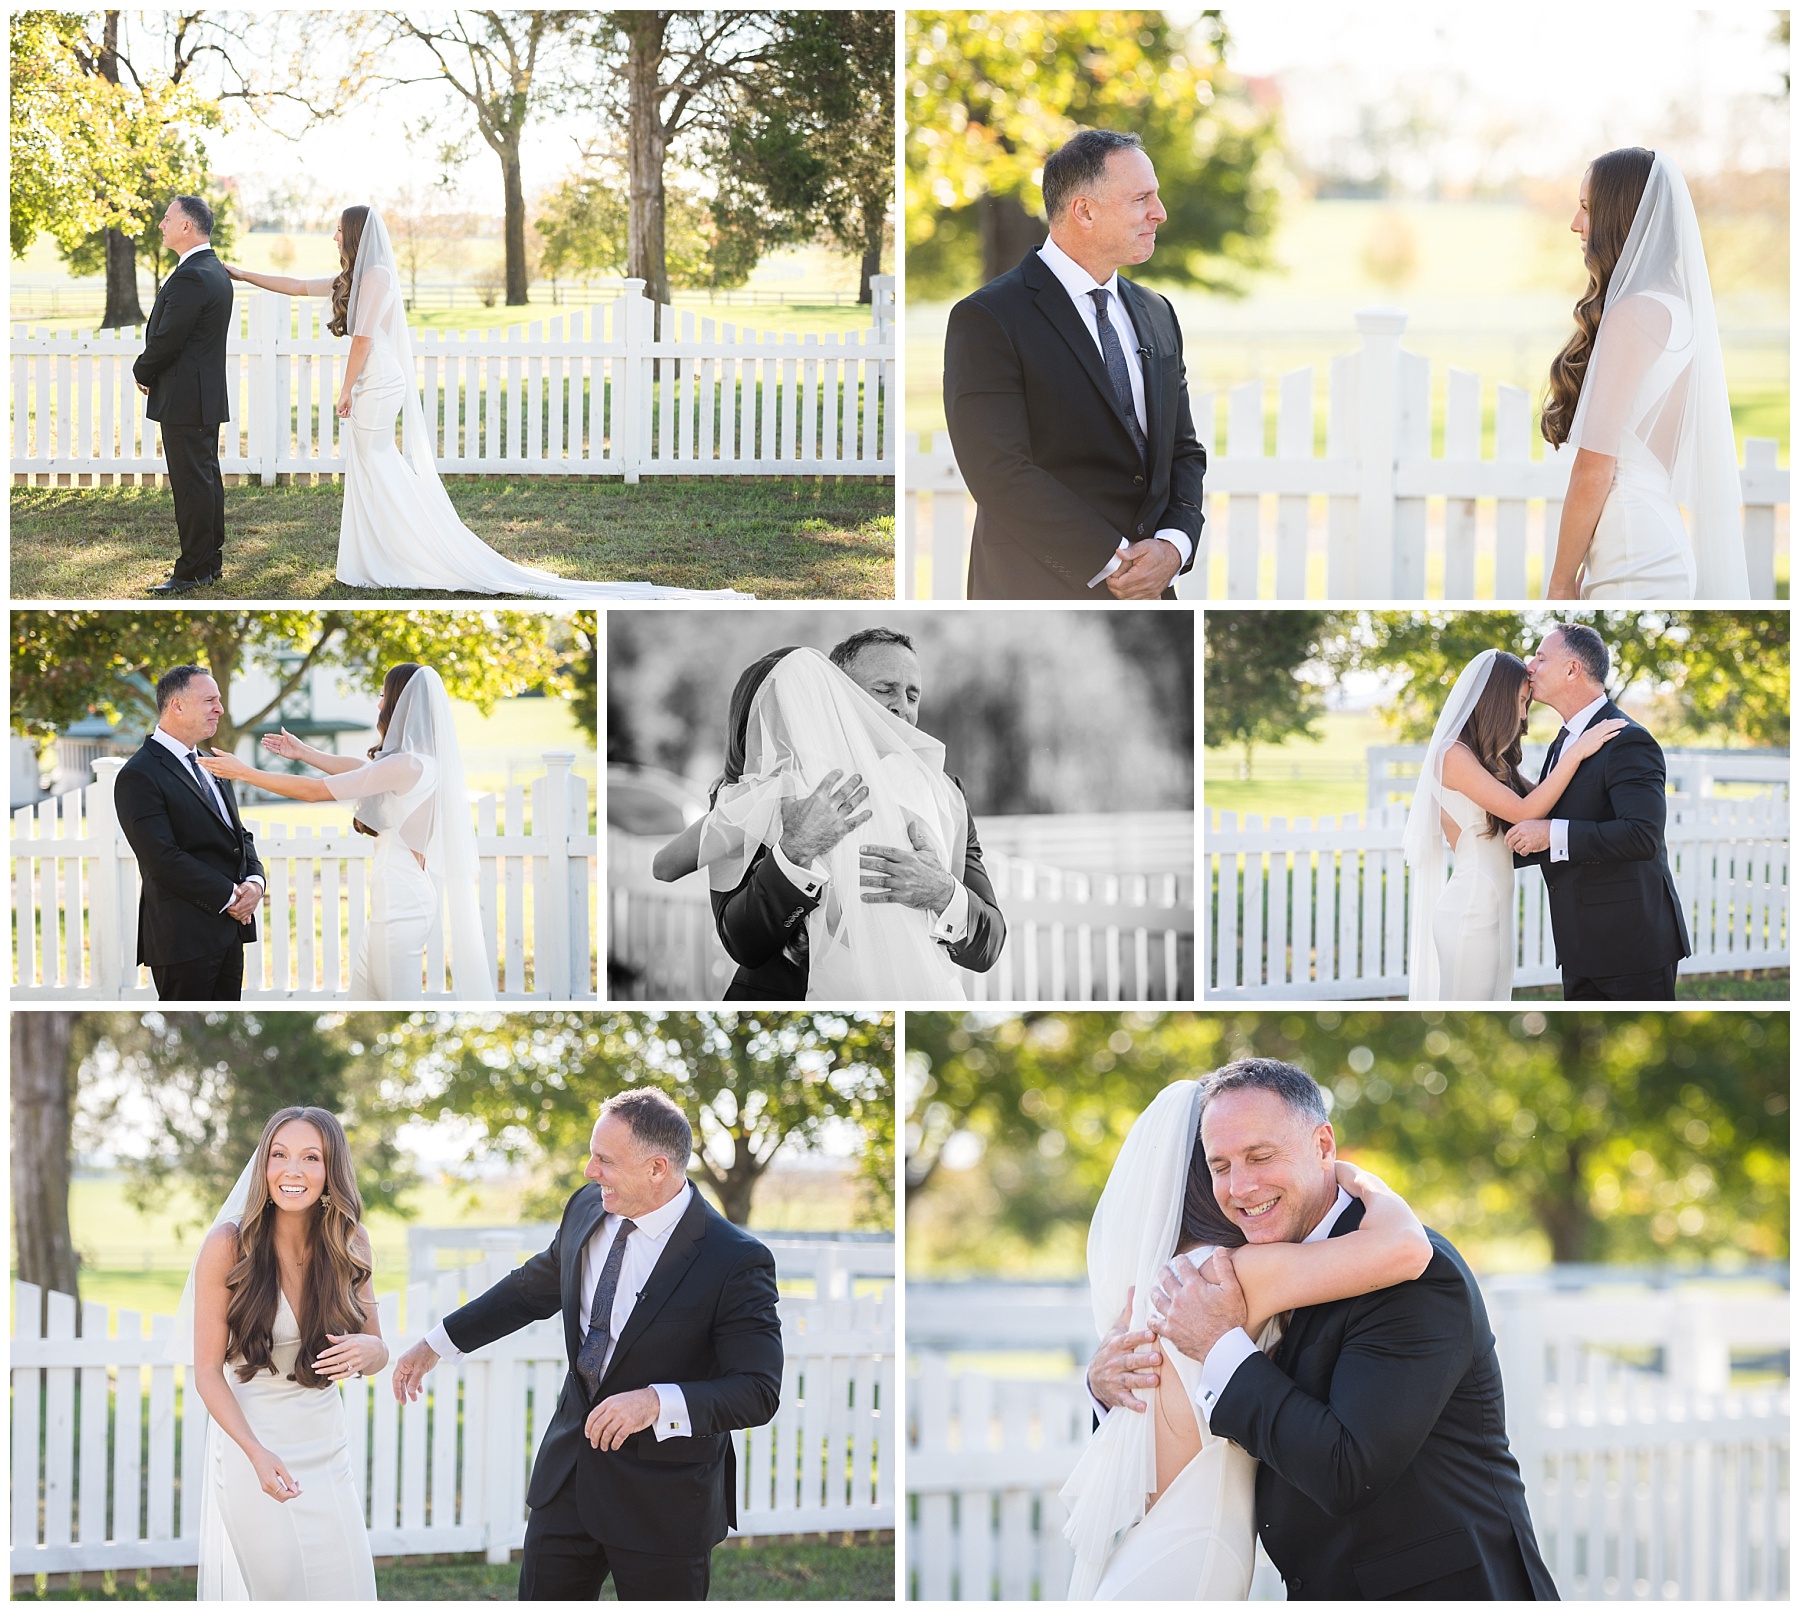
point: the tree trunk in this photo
(518, 285)
(40, 1149)
(874, 216)
(122, 305)
(1008, 232)
(736, 1186)
(647, 145)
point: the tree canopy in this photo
(1254, 691)
(1577, 1135)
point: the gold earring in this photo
(324, 1199)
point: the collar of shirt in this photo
(656, 1225)
(172, 744)
(204, 246)
(1323, 1229)
(1582, 717)
(1075, 279)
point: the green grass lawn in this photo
(1299, 778)
(1769, 984)
(741, 1570)
(777, 538)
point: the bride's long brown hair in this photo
(1203, 1222)
(352, 222)
(1495, 731)
(396, 679)
(334, 1271)
(1615, 187)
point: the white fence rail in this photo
(1320, 908)
(1071, 936)
(1655, 1484)
(623, 388)
(1400, 520)
(75, 888)
(1693, 773)
(107, 1440)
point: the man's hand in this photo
(1193, 1312)
(143, 388)
(1529, 837)
(410, 1369)
(811, 826)
(906, 877)
(245, 898)
(614, 1419)
(1127, 1361)
(1145, 569)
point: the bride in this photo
(1639, 392)
(1159, 1508)
(281, 1293)
(425, 857)
(798, 725)
(399, 527)
(1460, 943)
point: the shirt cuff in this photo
(438, 1341)
(951, 926)
(1179, 541)
(1110, 566)
(808, 882)
(671, 1412)
(1559, 839)
(1220, 1366)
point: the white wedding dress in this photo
(314, 1546)
(1473, 926)
(399, 528)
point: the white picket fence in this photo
(1642, 1484)
(1399, 520)
(1070, 935)
(614, 389)
(75, 888)
(107, 1441)
(1320, 908)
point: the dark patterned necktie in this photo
(1114, 354)
(205, 783)
(1555, 755)
(590, 1363)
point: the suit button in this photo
(1140, 531)
(1137, 481)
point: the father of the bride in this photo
(1378, 1422)
(182, 371)
(762, 923)
(1614, 909)
(668, 1313)
(1067, 400)
(202, 881)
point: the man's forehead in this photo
(884, 661)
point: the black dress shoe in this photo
(174, 585)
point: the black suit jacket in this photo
(1613, 904)
(1043, 443)
(1381, 1430)
(189, 857)
(183, 361)
(706, 1322)
(762, 925)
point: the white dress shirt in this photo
(1080, 284)
(1231, 1350)
(181, 753)
(204, 246)
(948, 927)
(642, 1251)
(1559, 826)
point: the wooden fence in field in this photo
(1319, 908)
(1660, 1483)
(1072, 935)
(75, 899)
(1383, 488)
(621, 388)
(107, 1439)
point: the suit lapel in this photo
(1144, 321)
(680, 1251)
(192, 783)
(583, 1222)
(1054, 303)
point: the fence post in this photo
(881, 291)
(632, 399)
(551, 876)
(1378, 382)
(106, 951)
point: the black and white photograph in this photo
(909, 805)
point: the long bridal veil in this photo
(1687, 423)
(437, 825)
(1423, 843)
(807, 720)
(1131, 1238)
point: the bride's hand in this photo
(273, 1475)
(358, 1354)
(343, 407)
(223, 764)
(235, 273)
(1595, 736)
(1359, 1182)
(283, 744)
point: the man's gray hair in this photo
(199, 214)
(1587, 646)
(656, 1124)
(1293, 1085)
(1080, 164)
(854, 645)
(174, 681)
